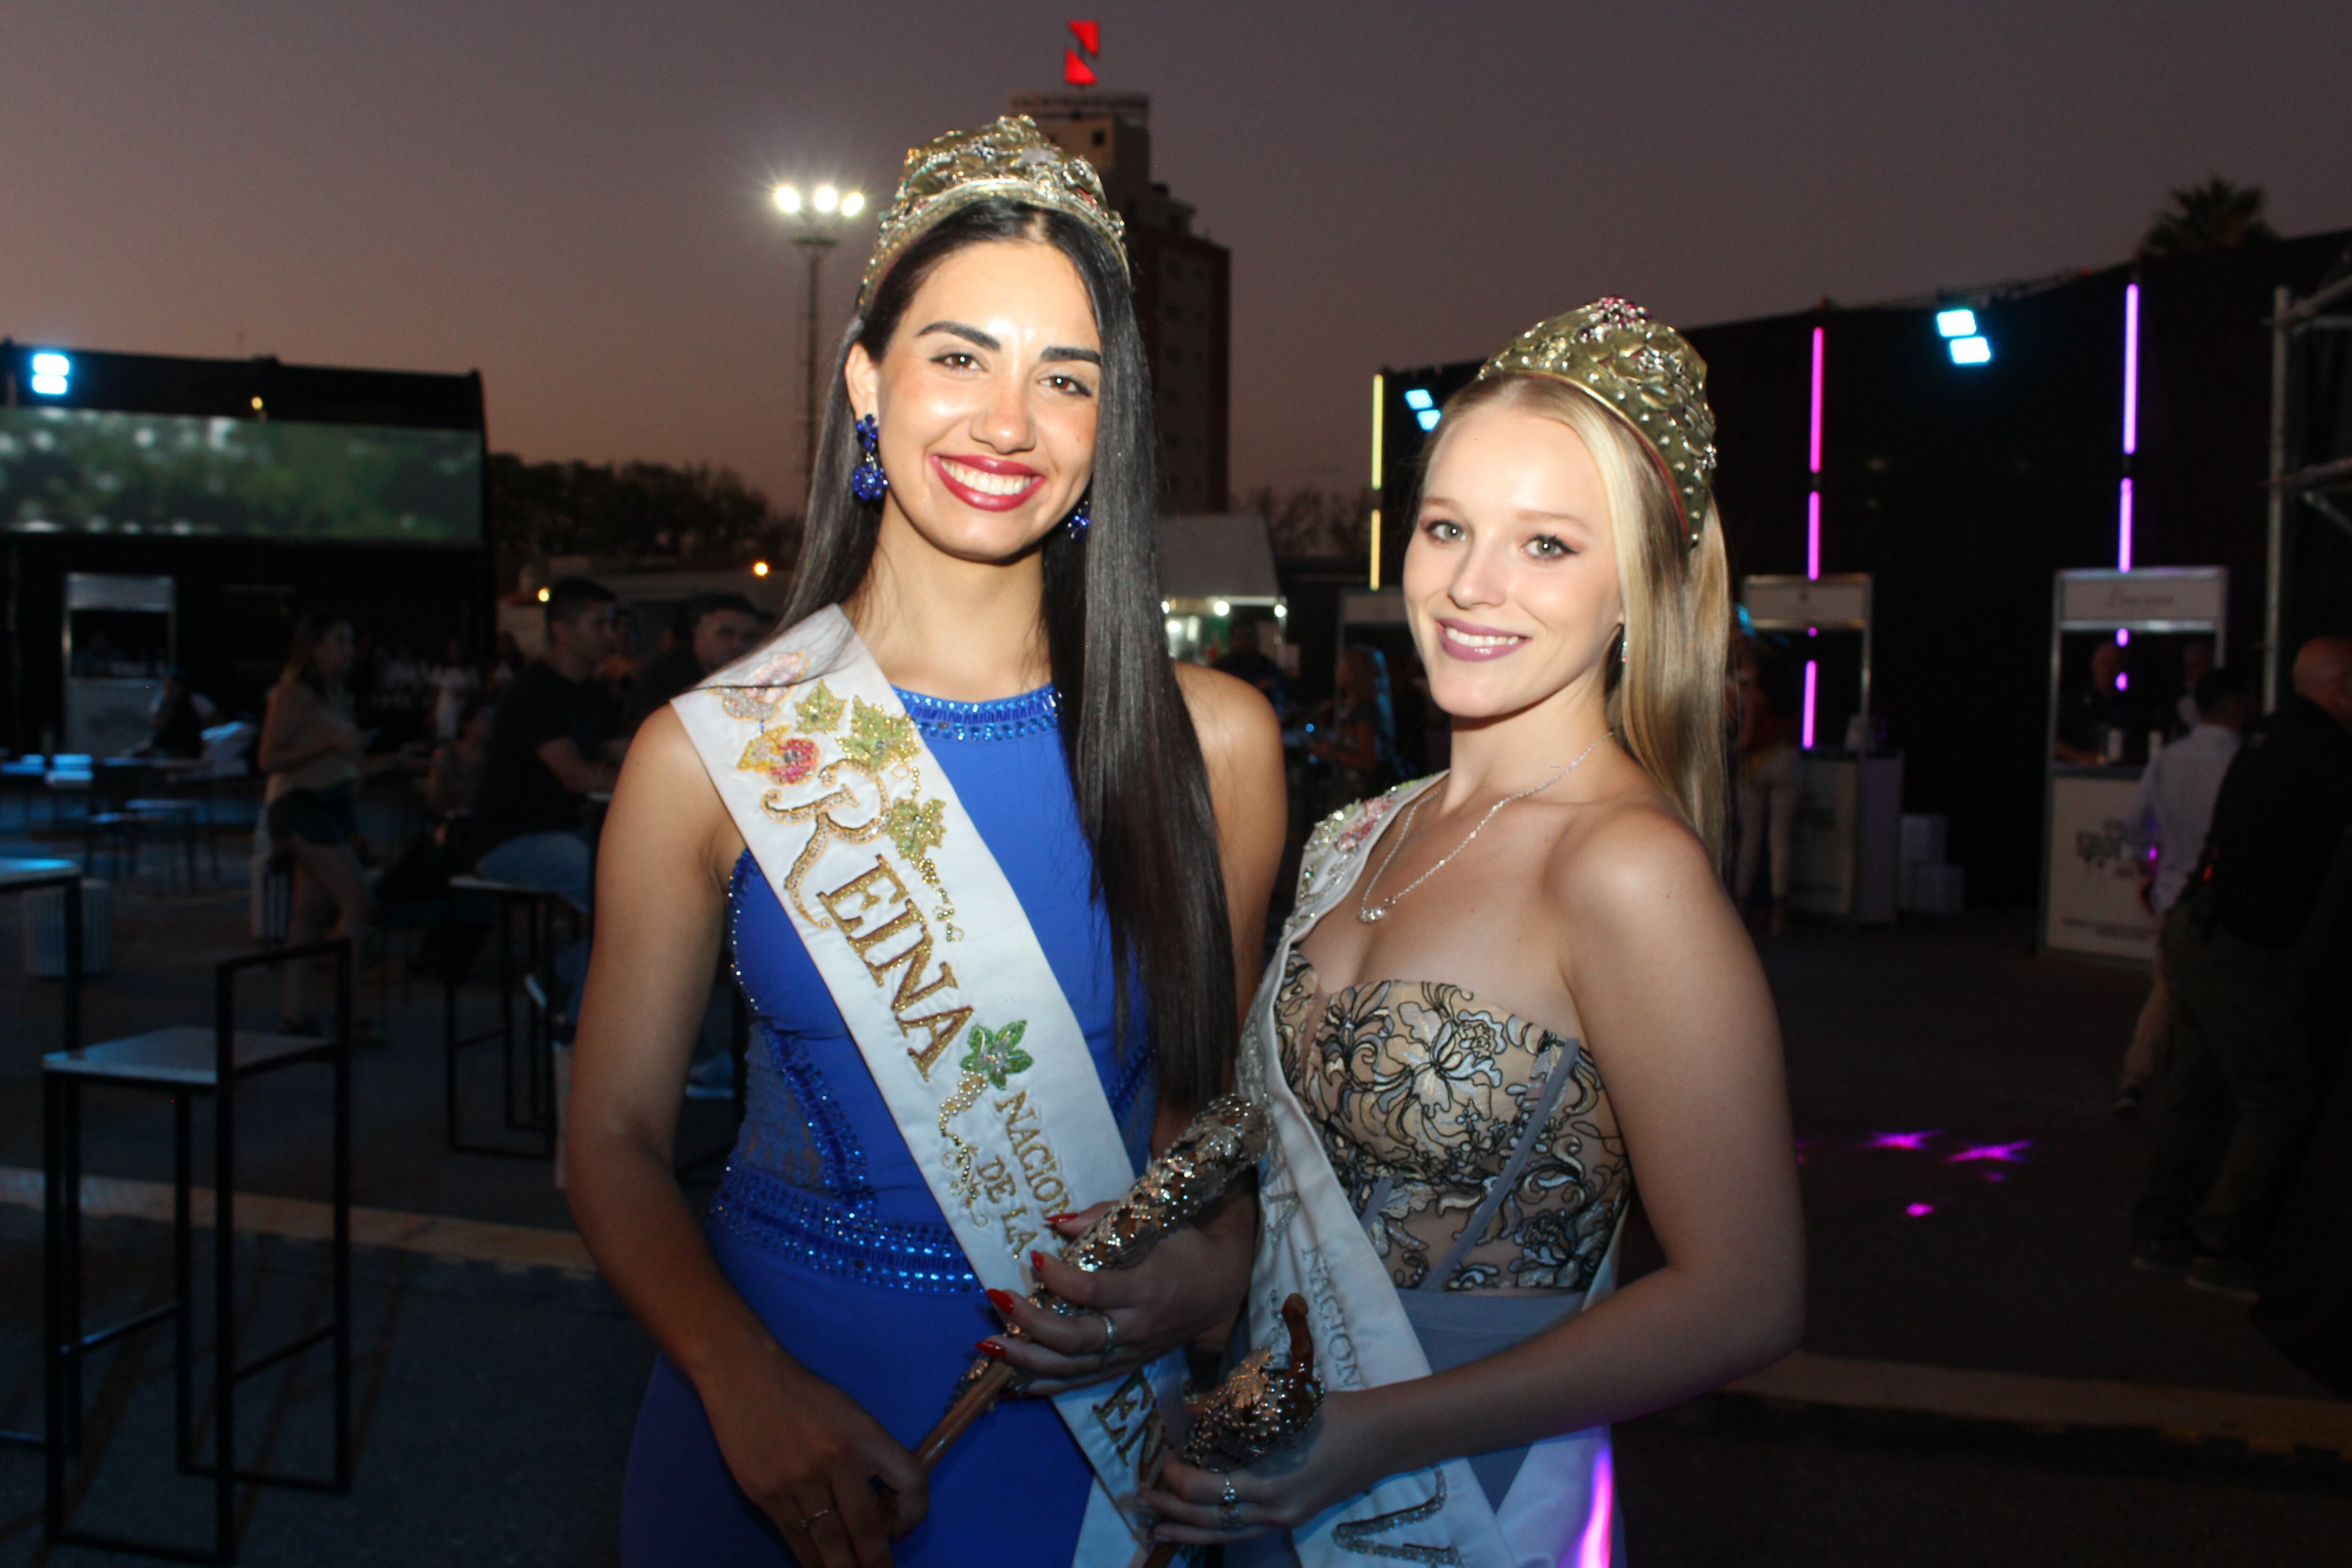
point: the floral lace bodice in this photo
(1421, 1097)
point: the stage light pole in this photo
(817, 223)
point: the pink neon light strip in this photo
(2123, 529)
(1595, 1547)
(1812, 671)
(2131, 369)
(1813, 536)
(1816, 450)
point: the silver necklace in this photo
(1368, 913)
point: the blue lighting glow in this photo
(1957, 323)
(1418, 398)
(50, 372)
(1427, 418)
(1971, 351)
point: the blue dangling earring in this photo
(867, 481)
(1080, 520)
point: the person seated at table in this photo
(555, 742)
(175, 722)
(2090, 716)
(711, 632)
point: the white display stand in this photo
(1843, 863)
(2090, 881)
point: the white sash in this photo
(1313, 1242)
(928, 953)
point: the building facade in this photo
(1183, 287)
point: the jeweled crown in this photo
(1011, 159)
(1643, 372)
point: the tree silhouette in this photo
(2215, 216)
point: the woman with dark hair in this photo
(987, 861)
(1510, 992)
(310, 749)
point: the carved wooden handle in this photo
(969, 1407)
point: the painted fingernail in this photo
(1000, 1300)
(1059, 1219)
(1037, 1260)
(990, 1349)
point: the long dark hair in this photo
(1126, 737)
(302, 649)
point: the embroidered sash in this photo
(943, 986)
(1311, 1241)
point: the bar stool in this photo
(532, 1110)
(182, 1063)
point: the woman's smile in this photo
(992, 484)
(1469, 640)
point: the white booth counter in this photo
(1843, 864)
(2090, 872)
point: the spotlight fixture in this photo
(52, 373)
(1971, 351)
(1957, 323)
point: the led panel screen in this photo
(79, 470)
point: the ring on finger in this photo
(1229, 1508)
(1111, 1337)
(807, 1520)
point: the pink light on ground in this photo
(2122, 636)
(1918, 1210)
(1915, 1142)
(1594, 1548)
(1814, 450)
(2000, 1154)
(1813, 537)
(2123, 681)
(2123, 528)
(2131, 368)
(1812, 673)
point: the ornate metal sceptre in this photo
(1260, 1406)
(1224, 1140)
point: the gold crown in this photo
(1008, 159)
(1642, 371)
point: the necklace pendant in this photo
(1369, 916)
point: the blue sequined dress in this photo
(826, 1226)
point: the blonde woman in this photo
(1512, 992)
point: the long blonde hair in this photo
(1665, 694)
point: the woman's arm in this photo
(1681, 1025)
(1192, 1283)
(796, 1444)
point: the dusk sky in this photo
(572, 197)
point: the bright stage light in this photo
(827, 198)
(1222, 608)
(542, 596)
(1971, 351)
(759, 568)
(788, 199)
(1418, 398)
(1426, 418)
(50, 373)
(853, 203)
(1282, 612)
(1957, 323)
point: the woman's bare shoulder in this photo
(1631, 861)
(1232, 718)
(665, 793)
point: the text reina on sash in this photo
(850, 907)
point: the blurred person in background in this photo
(2090, 716)
(710, 632)
(2241, 1059)
(311, 749)
(1245, 660)
(554, 743)
(2167, 821)
(2196, 664)
(1769, 782)
(1353, 734)
(454, 779)
(455, 684)
(175, 722)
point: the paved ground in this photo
(496, 1401)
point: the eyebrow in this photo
(1524, 515)
(979, 339)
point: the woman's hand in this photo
(1190, 1285)
(811, 1458)
(1345, 1451)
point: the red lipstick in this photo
(1001, 469)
